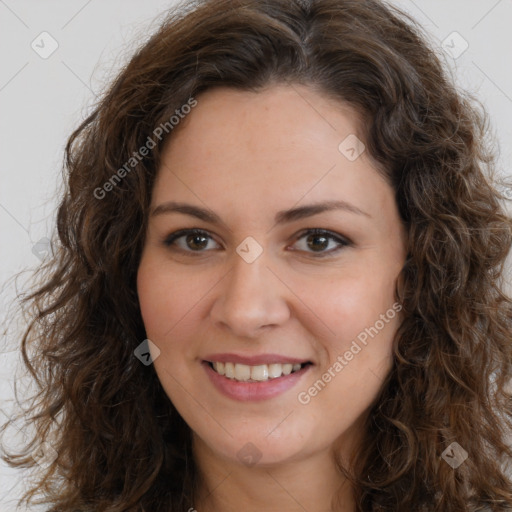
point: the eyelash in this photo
(342, 241)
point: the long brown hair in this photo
(120, 444)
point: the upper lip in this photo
(254, 360)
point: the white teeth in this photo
(219, 368)
(261, 372)
(229, 370)
(275, 370)
(287, 369)
(242, 372)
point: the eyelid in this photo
(172, 237)
(322, 231)
(340, 239)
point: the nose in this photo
(249, 299)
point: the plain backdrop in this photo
(57, 56)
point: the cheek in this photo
(359, 353)
(153, 299)
(166, 304)
(167, 297)
(362, 316)
(355, 302)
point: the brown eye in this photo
(189, 240)
(196, 241)
(319, 240)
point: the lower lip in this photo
(253, 391)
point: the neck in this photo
(311, 484)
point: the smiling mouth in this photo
(256, 373)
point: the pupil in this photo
(192, 239)
(323, 245)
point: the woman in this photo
(279, 280)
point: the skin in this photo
(246, 156)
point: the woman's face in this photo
(253, 294)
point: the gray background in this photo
(43, 97)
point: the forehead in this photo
(266, 148)
(277, 120)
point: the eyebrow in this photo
(282, 217)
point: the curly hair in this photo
(121, 444)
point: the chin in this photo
(260, 449)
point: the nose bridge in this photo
(251, 296)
